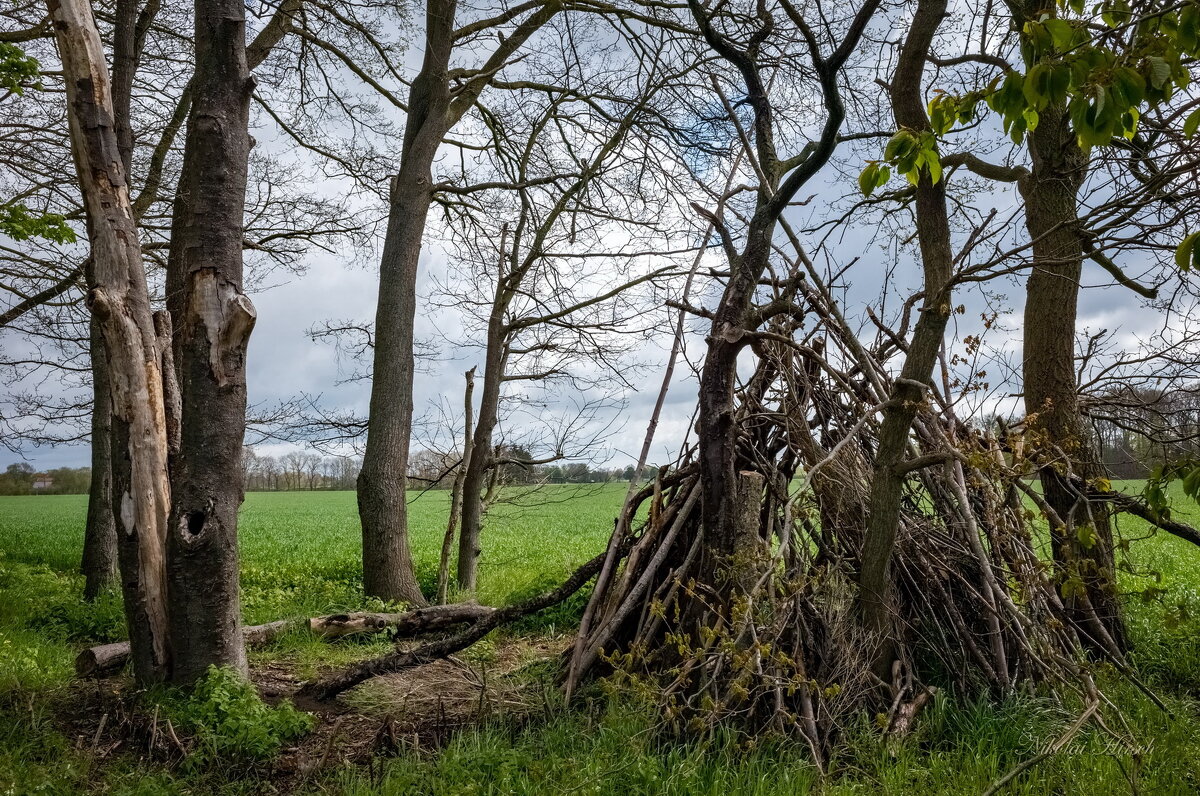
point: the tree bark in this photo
(910, 389)
(120, 303)
(456, 492)
(99, 538)
(213, 327)
(387, 560)
(99, 564)
(1054, 428)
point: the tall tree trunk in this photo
(910, 389)
(120, 302)
(387, 561)
(1055, 431)
(99, 565)
(212, 331)
(99, 536)
(456, 491)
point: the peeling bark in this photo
(99, 564)
(120, 303)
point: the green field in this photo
(300, 557)
(301, 551)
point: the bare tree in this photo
(438, 99)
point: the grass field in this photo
(300, 556)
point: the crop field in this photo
(301, 551)
(300, 557)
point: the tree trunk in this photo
(99, 538)
(456, 492)
(212, 330)
(1054, 428)
(387, 561)
(717, 435)
(911, 387)
(99, 565)
(120, 302)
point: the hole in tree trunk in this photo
(195, 522)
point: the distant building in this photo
(42, 481)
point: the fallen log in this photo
(409, 623)
(105, 660)
(337, 682)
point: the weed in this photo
(229, 720)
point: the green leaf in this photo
(1186, 252)
(884, 174)
(1031, 119)
(1192, 123)
(867, 180)
(1036, 88)
(1188, 35)
(1131, 84)
(934, 164)
(19, 223)
(1060, 82)
(1061, 32)
(898, 146)
(1160, 71)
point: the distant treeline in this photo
(300, 470)
(22, 479)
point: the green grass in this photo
(300, 556)
(301, 551)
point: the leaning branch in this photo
(334, 684)
(1131, 505)
(38, 299)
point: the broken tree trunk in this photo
(456, 492)
(99, 564)
(212, 329)
(120, 302)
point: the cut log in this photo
(105, 660)
(102, 661)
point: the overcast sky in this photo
(284, 362)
